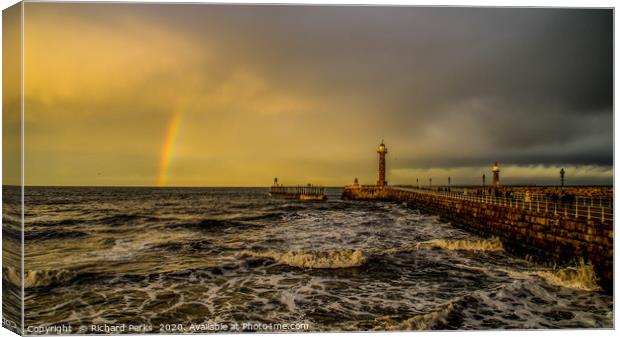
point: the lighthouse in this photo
(382, 151)
(495, 175)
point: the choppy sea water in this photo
(169, 259)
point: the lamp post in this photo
(449, 181)
(562, 177)
(484, 177)
(430, 183)
(417, 182)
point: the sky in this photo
(231, 95)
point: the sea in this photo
(183, 260)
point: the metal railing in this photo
(539, 204)
(600, 201)
(297, 190)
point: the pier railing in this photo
(298, 190)
(592, 201)
(607, 202)
(580, 208)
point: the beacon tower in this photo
(382, 151)
(495, 175)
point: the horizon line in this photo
(298, 185)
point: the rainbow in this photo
(167, 149)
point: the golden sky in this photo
(181, 95)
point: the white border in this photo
(478, 3)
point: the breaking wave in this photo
(11, 275)
(44, 278)
(490, 245)
(342, 258)
(38, 278)
(426, 321)
(483, 245)
(581, 277)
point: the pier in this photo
(535, 225)
(304, 193)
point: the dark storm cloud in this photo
(533, 86)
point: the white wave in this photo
(341, 258)
(426, 321)
(37, 278)
(581, 277)
(486, 245)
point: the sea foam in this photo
(425, 321)
(38, 278)
(341, 258)
(581, 277)
(486, 245)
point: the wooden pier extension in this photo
(304, 193)
(545, 231)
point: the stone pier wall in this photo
(523, 233)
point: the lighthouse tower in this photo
(495, 175)
(382, 151)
